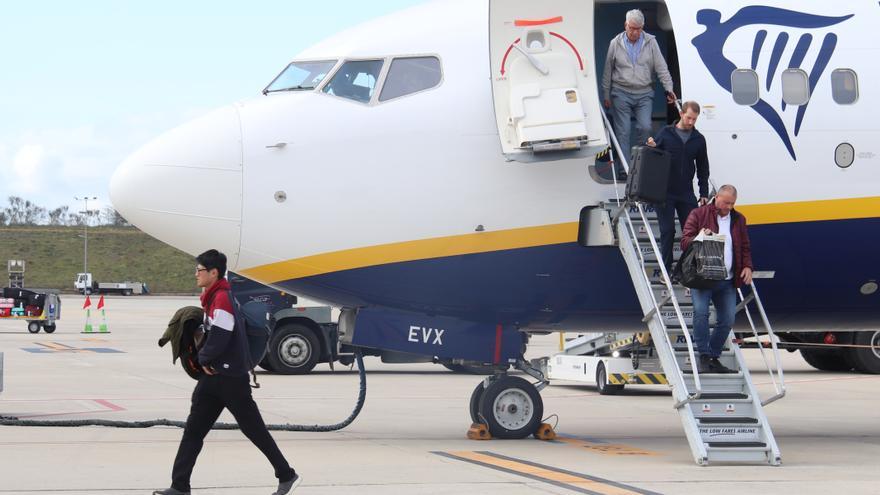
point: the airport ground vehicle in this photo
(85, 285)
(304, 336)
(40, 308)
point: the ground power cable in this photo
(362, 396)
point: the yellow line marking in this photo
(545, 473)
(55, 346)
(527, 237)
(607, 448)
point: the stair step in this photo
(721, 396)
(737, 445)
(732, 420)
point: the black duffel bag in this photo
(702, 265)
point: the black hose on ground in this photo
(362, 396)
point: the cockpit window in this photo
(355, 80)
(410, 75)
(301, 75)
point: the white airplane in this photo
(427, 171)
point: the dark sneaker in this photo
(170, 491)
(705, 365)
(717, 367)
(288, 486)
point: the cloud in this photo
(26, 168)
(50, 166)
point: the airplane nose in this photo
(185, 187)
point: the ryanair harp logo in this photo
(786, 25)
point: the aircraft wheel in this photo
(474, 408)
(827, 360)
(866, 359)
(293, 350)
(512, 408)
(48, 328)
(602, 384)
(34, 327)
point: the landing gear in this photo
(509, 406)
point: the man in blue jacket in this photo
(224, 384)
(689, 157)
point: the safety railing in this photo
(779, 386)
(655, 311)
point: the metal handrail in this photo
(779, 387)
(666, 279)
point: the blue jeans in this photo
(623, 106)
(683, 205)
(723, 295)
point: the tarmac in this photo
(410, 437)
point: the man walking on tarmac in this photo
(224, 384)
(689, 156)
(719, 217)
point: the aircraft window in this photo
(795, 87)
(410, 75)
(844, 86)
(744, 86)
(355, 80)
(300, 75)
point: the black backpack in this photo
(255, 319)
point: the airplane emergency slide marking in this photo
(576, 482)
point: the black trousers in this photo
(682, 205)
(210, 396)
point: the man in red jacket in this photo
(719, 217)
(223, 357)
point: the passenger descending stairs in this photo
(722, 414)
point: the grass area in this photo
(54, 256)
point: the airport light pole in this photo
(86, 214)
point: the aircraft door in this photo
(544, 79)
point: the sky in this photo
(84, 84)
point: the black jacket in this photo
(688, 159)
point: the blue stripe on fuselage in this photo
(820, 267)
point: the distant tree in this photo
(109, 216)
(3, 219)
(23, 212)
(60, 216)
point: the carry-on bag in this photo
(648, 175)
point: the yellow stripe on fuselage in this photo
(527, 237)
(812, 211)
(478, 242)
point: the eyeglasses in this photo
(201, 270)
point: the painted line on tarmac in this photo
(106, 406)
(57, 347)
(569, 480)
(606, 448)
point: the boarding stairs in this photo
(722, 414)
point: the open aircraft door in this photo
(544, 79)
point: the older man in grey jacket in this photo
(628, 79)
